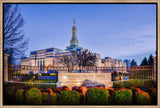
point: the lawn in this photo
(42, 81)
(143, 84)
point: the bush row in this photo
(144, 84)
(83, 95)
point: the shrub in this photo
(76, 89)
(19, 97)
(127, 84)
(42, 90)
(58, 90)
(142, 97)
(10, 93)
(83, 90)
(122, 96)
(97, 96)
(110, 88)
(81, 98)
(149, 90)
(154, 96)
(53, 89)
(122, 88)
(33, 96)
(65, 88)
(53, 98)
(138, 83)
(117, 85)
(100, 87)
(135, 83)
(49, 90)
(45, 96)
(149, 84)
(69, 97)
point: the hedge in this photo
(33, 96)
(69, 97)
(141, 97)
(10, 93)
(53, 98)
(154, 96)
(45, 96)
(123, 96)
(97, 96)
(19, 97)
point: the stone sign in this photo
(77, 79)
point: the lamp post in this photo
(80, 57)
(38, 76)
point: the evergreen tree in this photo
(150, 60)
(144, 62)
(133, 63)
(127, 62)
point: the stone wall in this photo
(76, 79)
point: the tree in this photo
(127, 62)
(133, 63)
(144, 62)
(78, 58)
(68, 60)
(15, 43)
(150, 60)
(86, 58)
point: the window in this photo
(43, 63)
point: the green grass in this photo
(42, 81)
(43, 86)
(46, 81)
(135, 83)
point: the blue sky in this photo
(121, 31)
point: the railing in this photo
(15, 72)
(141, 72)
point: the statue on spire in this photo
(74, 21)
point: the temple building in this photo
(46, 57)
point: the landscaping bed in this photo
(21, 94)
(143, 84)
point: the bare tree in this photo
(78, 58)
(68, 60)
(15, 43)
(86, 58)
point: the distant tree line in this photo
(144, 62)
(147, 62)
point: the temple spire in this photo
(74, 21)
(74, 40)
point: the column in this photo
(6, 67)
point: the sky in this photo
(120, 31)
